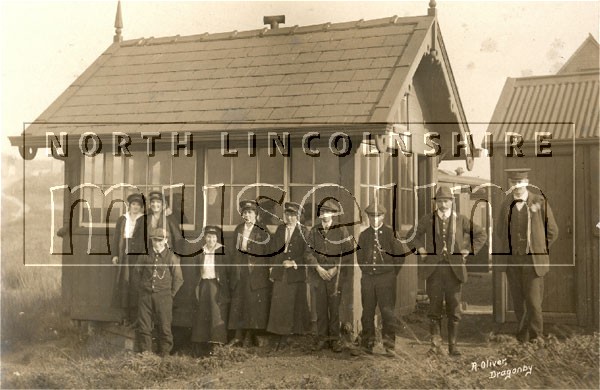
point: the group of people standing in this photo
(259, 284)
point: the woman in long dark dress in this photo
(212, 294)
(129, 241)
(289, 305)
(251, 300)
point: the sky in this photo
(45, 46)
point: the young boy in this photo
(160, 278)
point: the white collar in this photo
(205, 249)
(444, 215)
(523, 198)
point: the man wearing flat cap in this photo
(289, 305)
(443, 240)
(524, 229)
(160, 278)
(330, 257)
(380, 256)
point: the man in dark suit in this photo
(524, 230)
(380, 256)
(330, 256)
(443, 239)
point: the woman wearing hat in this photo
(212, 294)
(128, 243)
(251, 298)
(158, 219)
(289, 305)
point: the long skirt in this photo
(289, 308)
(125, 294)
(249, 307)
(209, 321)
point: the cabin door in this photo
(560, 287)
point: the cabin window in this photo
(380, 173)
(293, 178)
(107, 181)
(226, 177)
(306, 173)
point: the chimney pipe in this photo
(274, 21)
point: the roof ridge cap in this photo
(262, 32)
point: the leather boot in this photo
(452, 334)
(435, 329)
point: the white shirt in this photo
(289, 230)
(523, 198)
(130, 224)
(208, 269)
(326, 226)
(245, 236)
(444, 215)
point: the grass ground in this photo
(42, 349)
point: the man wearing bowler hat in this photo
(160, 278)
(380, 256)
(524, 230)
(443, 240)
(330, 256)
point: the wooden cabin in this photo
(562, 110)
(258, 92)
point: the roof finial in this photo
(118, 24)
(431, 11)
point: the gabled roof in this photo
(351, 73)
(586, 58)
(557, 104)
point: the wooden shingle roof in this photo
(341, 73)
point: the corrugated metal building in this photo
(562, 110)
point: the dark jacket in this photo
(224, 272)
(171, 226)
(330, 249)
(543, 231)
(388, 256)
(428, 235)
(136, 244)
(256, 255)
(159, 272)
(297, 251)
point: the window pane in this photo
(244, 169)
(217, 167)
(98, 169)
(271, 168)
(160, 168)
(113, 173)
(297, 193)
(327, 168)
(302, 167)
(214, 204)
(88, 165)
(181, 200)
(137, 168)
(115, 197)
(184, 169)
